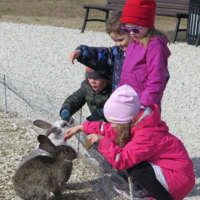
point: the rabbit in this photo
(40, 175)
(55, 132)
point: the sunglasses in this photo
(134, 30)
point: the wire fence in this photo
(29, 100)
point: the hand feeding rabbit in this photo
(40, 175)
(55, 132)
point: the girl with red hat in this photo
(145, 66)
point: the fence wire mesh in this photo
(29, 100)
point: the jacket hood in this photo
(161, 39)
(153, 120)
(164, 41)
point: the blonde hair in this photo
(123, 133)
(152, 33)
(113, 23)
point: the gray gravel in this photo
(18, 138)
(41, 54)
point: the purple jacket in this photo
(145, 69)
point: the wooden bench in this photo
(173, 8)
(169, 8)
(110, 6)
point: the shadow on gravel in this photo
(86, 190)
(82, 185)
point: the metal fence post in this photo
(5, 99)
(79, 133)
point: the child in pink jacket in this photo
(137, 140)
(145, 66)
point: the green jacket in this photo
(86, 94)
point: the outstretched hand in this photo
(74, 55)
(72, 131)
(94, 138)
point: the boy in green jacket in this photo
(94, 91)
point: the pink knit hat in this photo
(122, 106)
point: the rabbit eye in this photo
(67, 150)
(64, 124)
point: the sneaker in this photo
(141, 192)
(123, 193)
(119, 183)
(121, 186)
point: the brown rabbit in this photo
(55, 132)
(40, 175)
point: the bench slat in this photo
(171, 13)
(96, 6)
(179, 2)
(107, 7)
(173, 7)
(122, 2)
(115, 7)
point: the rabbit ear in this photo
(47, 147)
(52, 130)
(46, 144)
(44, 139)
(42, 124)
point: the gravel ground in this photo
(18, 138)
(41, 54)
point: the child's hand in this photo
(94, 138)
(72, 131)
(74, 55)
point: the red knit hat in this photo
(139, 12)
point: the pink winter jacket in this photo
(150, 142)
(146, 69)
